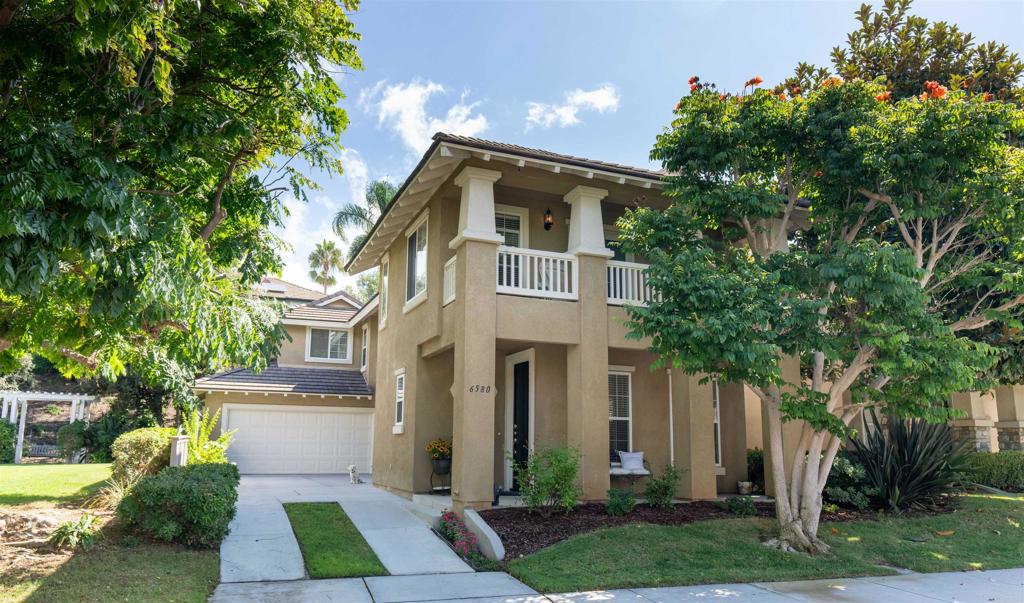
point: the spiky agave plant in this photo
(911, 462)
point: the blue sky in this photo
(597, 79)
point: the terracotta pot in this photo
(745, 488)
(442, 466)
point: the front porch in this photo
(538, 401)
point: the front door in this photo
(520, 415)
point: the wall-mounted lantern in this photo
(549, 219)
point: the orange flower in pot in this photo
(440, 451)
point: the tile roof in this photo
(503, 147)
(281, 289)
(308, 312)
(286, 379)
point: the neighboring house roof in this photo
(340, 295)
(280, 289)
(289, 380)
(446, 152)
(311, 312)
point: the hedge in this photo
(8, 439)
(141, 452)
(191, 505)
(1003, 470)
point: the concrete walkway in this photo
(262, 547)
(996, 586)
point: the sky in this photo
(589, 78)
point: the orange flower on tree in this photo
(693, 80)
(884, 96)
(934, 89)
(754, 81)
(835, 80)
(987, 97)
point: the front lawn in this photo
(986, 532)
(113, 572)
(331, 545)
(27, 484)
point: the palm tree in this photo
(378, 194)
(324, 262)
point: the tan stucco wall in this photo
(740, 414)
(293, 353)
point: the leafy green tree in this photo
(366, 284)
(378, 194)
(841, 228)
(145, 152)
(324, 262)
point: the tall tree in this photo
(841, 228)
(324, 262)
(139, 177)
(378, 194)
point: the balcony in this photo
(550, 275)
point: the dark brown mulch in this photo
(523, 532)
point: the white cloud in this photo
(402, 107)
(356, 173)
(602, 99)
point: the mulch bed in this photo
(523, 532)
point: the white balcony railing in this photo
(537, 273)
(449, 281)
(627, 283)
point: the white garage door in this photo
(299, 439)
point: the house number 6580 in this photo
(479, 389)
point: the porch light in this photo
(549, 219)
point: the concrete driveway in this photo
(262, 547)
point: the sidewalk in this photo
(994, 586)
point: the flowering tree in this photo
(870, 238)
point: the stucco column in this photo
(587, 362)
(977, 428)
(694, 418)
(1010, 423)
(473, 382)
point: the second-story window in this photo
(382, 312)
(328, 345)
(364, 355)
(416, 260)
(510, 223)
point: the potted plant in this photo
(440, 451)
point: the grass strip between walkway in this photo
(331, 545)
(986, 532)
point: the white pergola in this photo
(14, 408)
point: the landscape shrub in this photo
(114, 490)
(141, 452)
(1003, 470)
(547, 480)
(8, 440)
(661, 491)
(741, 505)
(847, 485)
(755, 468)
(620, 501)
(201, 449)
(71, 438)
(191, 505)
(457, 533)
(911, 462)
(119, 420)
(80, 533)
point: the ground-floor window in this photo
(716, 403)
(620, 407)
(400, 398)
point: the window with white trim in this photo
(511, 223)
(400, 398)
(620, 406)
(364, 353)
(328, 344)
(716, 403)
(383, 310)
(416, 261)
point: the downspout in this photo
(671, 423)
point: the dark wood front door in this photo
(520, 415)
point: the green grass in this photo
(331, 546)
(988, 534)
(109, 572)
(28, 484)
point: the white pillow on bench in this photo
(632, 461)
